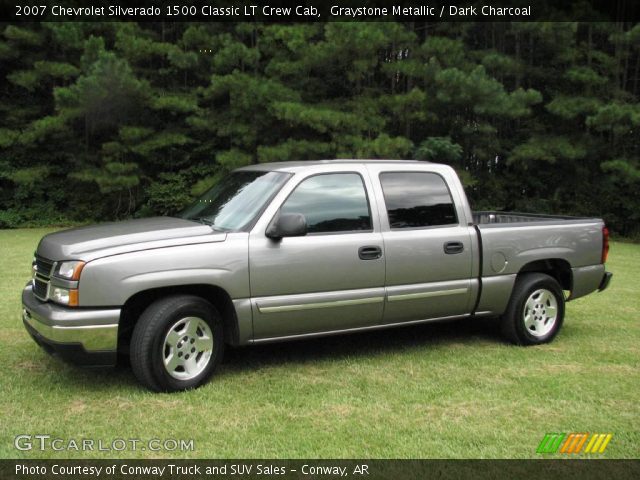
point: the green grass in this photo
(433, 391)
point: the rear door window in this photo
(417, 199)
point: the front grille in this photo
(43, 266)
(40, 288)
(42, 274)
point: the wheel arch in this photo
(138, 302)
(557, 268)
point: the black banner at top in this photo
(431, 11)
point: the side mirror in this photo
(287, 225)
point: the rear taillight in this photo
(605, 244)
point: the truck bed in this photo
(510, 241)
(488, 217)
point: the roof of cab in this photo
(299, 165)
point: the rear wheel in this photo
(536, 310)
(177, 343)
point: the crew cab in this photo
(293, 250)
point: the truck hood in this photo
(95, 241)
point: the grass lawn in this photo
(432, 391)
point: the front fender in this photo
(186, 276)
(111, 280)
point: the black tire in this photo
(513, 322)
(148, 342)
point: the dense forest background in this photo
(107, 120)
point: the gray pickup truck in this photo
(294, 250)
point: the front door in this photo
(330, 279)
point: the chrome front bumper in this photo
(83, 336)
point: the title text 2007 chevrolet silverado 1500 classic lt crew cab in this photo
(293, 250)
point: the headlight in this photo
(64, 296)
(70, 270)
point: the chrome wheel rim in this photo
(540, 312)
(187, 348)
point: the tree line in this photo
(100, 121)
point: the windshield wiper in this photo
(204, 220)
(208, 222)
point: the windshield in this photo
(236, 200)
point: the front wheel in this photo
(177, 343)
(536, 310)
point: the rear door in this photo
(428, 246)
(330, 279)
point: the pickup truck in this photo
(293, 250)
